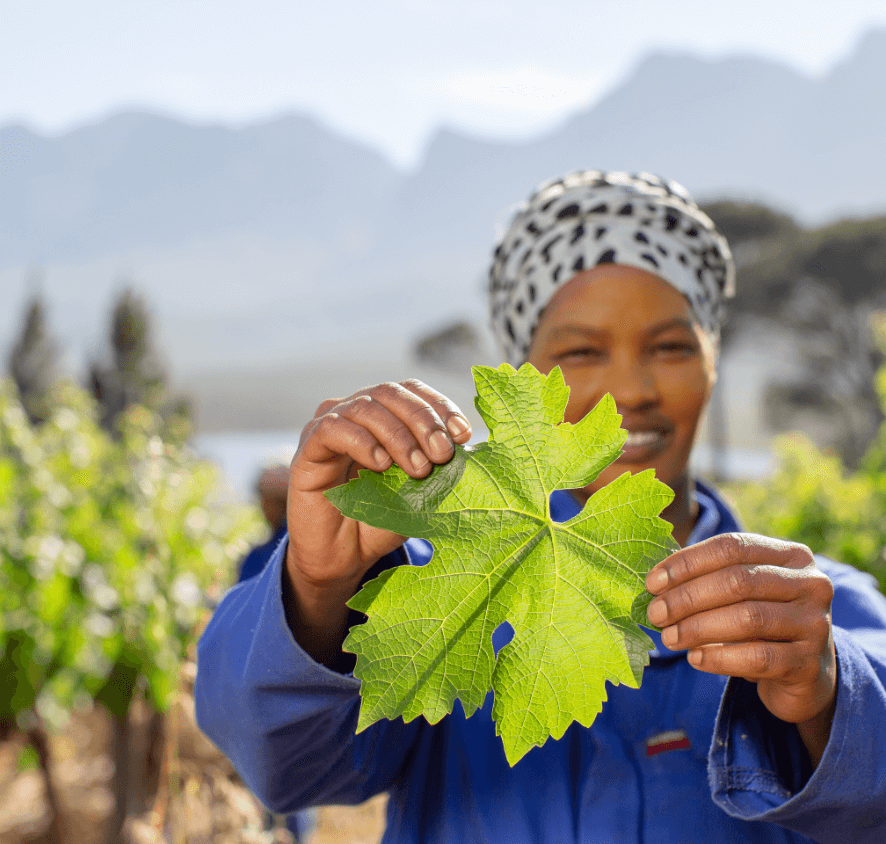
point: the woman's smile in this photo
(643, 445)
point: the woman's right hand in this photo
(406, 423)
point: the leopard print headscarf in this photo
(589, 218)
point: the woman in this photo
(746, 726)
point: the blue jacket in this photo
(258, 557)
(688, 757)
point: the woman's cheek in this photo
(686, 388)
(583, 398)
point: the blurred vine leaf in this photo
(110, 548)
(572, 591)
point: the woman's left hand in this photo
(758, 608)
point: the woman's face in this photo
(620, 330)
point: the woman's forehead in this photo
(612, 296)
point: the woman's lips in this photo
(642, 445)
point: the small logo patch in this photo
(670, 740)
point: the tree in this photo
(833, 397)
(135, 375)
(851, 256)
(32, 363)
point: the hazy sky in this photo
(387, 72)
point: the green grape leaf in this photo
(572, 591)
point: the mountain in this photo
(139, 180)
(735, 127)
(282, 242)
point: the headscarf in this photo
(590, 217)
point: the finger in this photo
(325, 406)
(725, 587)
(334, 438)
(777, 661)
(416, 405)
(744, 622)
(455, 421)
(719, 552)
(405, 425)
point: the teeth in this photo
(641, 438)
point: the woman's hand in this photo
(408, 424)
(758, 608)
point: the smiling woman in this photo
(746, 724)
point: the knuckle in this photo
(678, 570)
(359, 407)
(326, 424)
(802, 553)
(414, 384)
(674, 603)
(731, 546)
(325, 406)
(764, 658)
(820, 628)
(739, 581)
(822, 588)
(388, 390)
(754, 618)
(424, 417)
(688, 630)
(400, 438)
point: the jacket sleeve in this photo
(286, 722)
(754, 777)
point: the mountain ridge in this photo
(280, 238)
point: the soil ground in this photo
(188, 795)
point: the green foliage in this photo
(572, 591)
(107, 549)
(813, 497)
(28, 760)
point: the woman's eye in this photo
(675, 349)
(579, 353)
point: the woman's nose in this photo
(632, 385)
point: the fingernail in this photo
(657, 612)
(457, 426)
(656, 581)
(440, 443)
(669, 635)
(381, 456)
(418, 459)
(694, 657)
